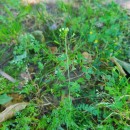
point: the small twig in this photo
(2, 64)
(46, 99)
(78, 98)
(113, 113)
(47, 104)
(75, 77)
(7, 76)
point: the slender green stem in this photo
(68, 73)
(67, 64)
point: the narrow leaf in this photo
(124, 64)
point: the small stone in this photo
(87, 56)
(53, 49)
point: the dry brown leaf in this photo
(10, 111)
(87, 56)
(30, 2)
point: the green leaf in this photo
(92, 37)
(40, 65)
(4, 99)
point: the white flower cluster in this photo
(63, 32)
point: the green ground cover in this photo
(60, 56)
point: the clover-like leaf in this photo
(4, 99)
